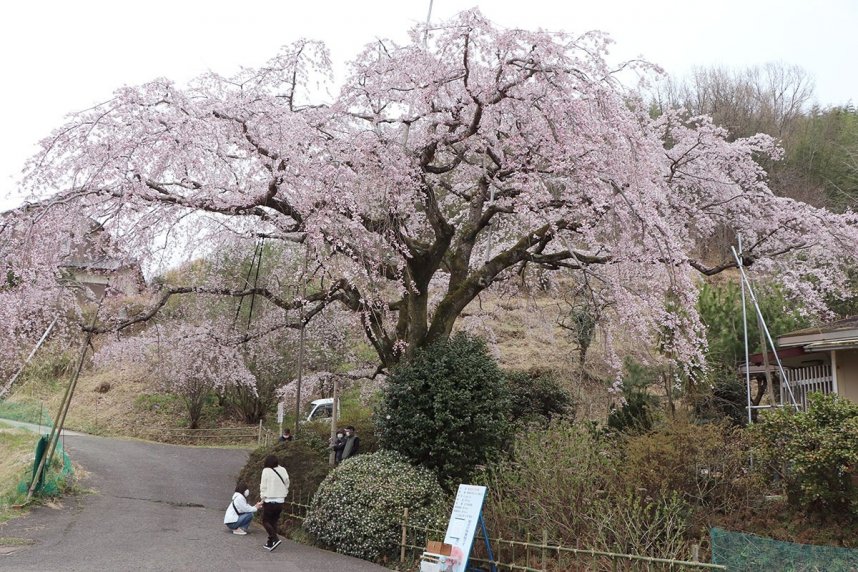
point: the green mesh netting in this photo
(60, 472)
(53, 480)
(28, 412)
(740, 551)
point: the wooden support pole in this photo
(544, 545)
(404, 534)
(44, 337)
(60, 420)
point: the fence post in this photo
(695, 552)
(404, 533)
(259, 434)
(544, 545)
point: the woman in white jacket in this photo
(273, 489)
(239, 513)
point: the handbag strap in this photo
(278, 476)
(235, 508)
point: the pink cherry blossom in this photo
(436, 172)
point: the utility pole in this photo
(301, 344)
(335, 416)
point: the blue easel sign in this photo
(463, 523)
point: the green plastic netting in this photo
(28, 412)
(740, 551)
(56, 477)
(60, 472)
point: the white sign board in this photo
(463, 523)
(280, 412)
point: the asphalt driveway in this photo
(152, 507)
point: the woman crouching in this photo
(239, 513)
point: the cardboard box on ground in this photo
(437, 557)
(436, 547)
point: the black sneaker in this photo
(268, 545)
(276, 544)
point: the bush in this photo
(725, 399)
(358, 508)
(446, 409)
(537, 397)
(651, 494)
(557, 474)
(815, 453)
(633, 524)
(703, 464)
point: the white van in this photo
(321, 410)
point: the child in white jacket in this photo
(239, 513)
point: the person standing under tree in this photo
(350, 449)
(338, 444)
(273, 489)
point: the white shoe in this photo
(239, 531)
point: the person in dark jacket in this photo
(338, 445)
(352, 443)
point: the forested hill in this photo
(819, 140)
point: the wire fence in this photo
(517, 555)
(543, 556)
(296, 510)
(258, 436)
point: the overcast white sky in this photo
(61, 56)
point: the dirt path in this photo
(152, 507)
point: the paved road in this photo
(153, 507)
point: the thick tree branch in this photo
(322, 298)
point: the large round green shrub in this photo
(358, 508)
(446, 409)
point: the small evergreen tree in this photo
(446, 409)
(537, 397)
(636, 413)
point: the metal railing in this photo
(209, 436)
(545, 556)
